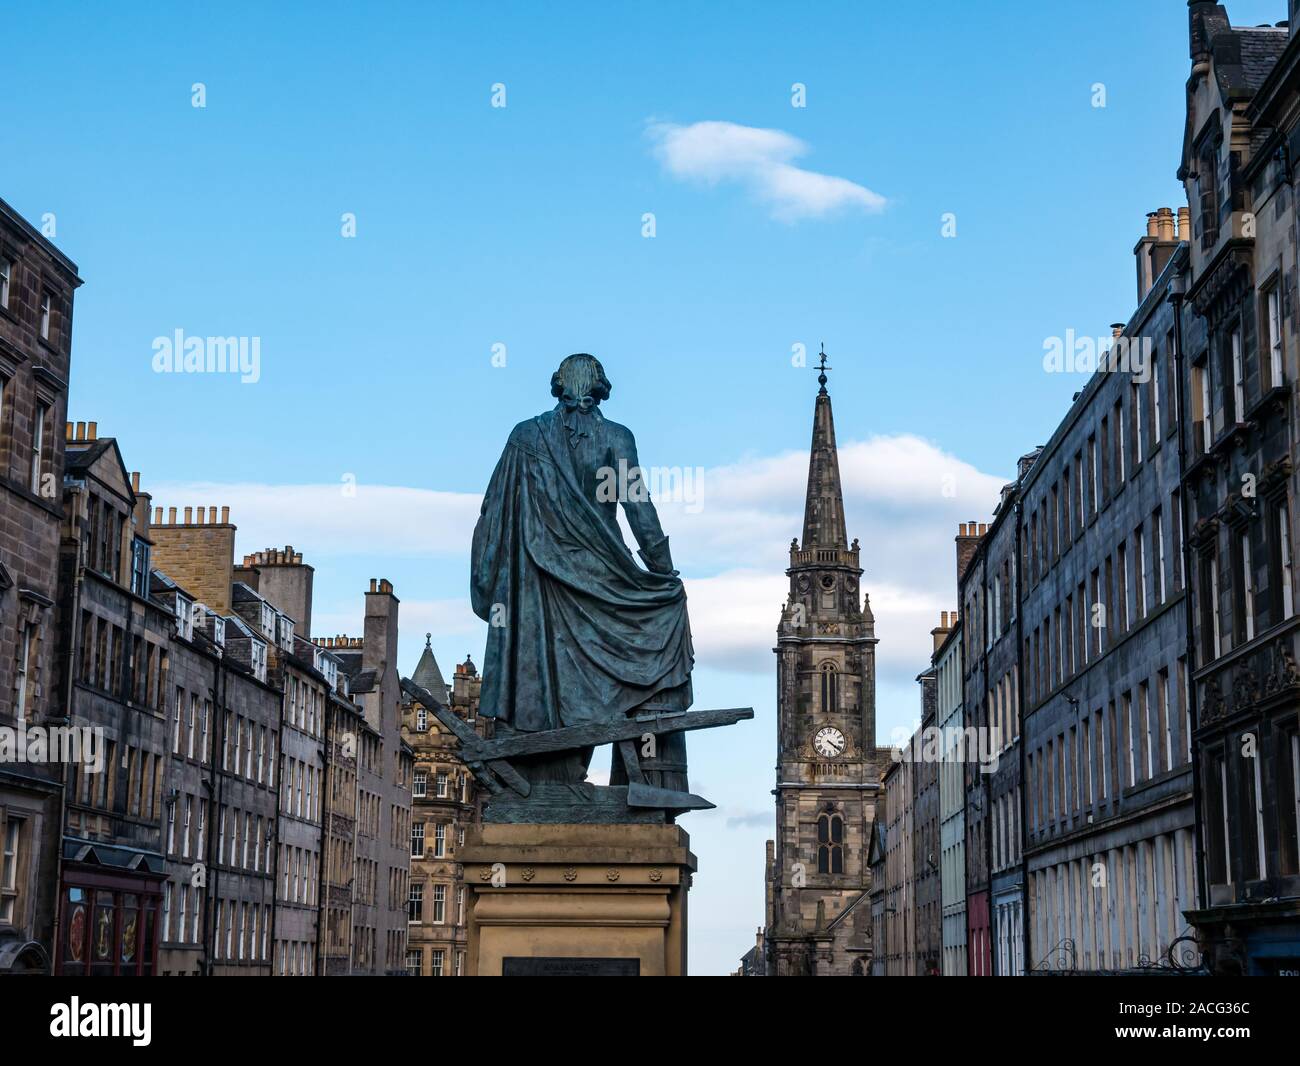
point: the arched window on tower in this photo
(830, 844)
(830, 689)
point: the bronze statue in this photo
(585, 646)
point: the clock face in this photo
(829, 741)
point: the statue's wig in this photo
(579, 377)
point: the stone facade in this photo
(445, 804)
(381, 842)
(344, 723)
(892, 875)
(1238, 368)
(927, 935)
(114, 664)
(991, 706)
(952, 797)
(37, 283)
(1108, 804)
(828, 764)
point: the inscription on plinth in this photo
(577, 900)
(573, 966)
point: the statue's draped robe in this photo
(578, 631)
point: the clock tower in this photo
(827, 763)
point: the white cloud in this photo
(762, 161)
(904, 497)
(375, 520)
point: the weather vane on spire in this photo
(822, 367)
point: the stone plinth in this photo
(576, 900)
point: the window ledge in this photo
(1275, 400)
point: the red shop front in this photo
(108, 923)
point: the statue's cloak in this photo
(578, 632)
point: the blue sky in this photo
(522, 226)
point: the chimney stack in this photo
(968, 539)
(285, 581)
(1154, 249)
(379, 651)
(940, 632)
(198, 556)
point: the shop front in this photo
(109, 915)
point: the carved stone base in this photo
(577, 900)
(551, 802)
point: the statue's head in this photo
(580, 382)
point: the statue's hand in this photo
(657, 558)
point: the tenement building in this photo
(890, 855)
(222, 818)
(344, 724)
(828, 765)
(381, 841)
(114, 675)
(274, 587)
(991, 708)
(37, 283)
(905, 893)
(952, 796)
(928, 932)
(1239, 365)
(445, 800)
(1108, 805)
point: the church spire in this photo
(823, 516)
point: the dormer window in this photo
(219, 632)
(421, 720)
(268, 621)
(329, 668)
(286, 633)
(257, 658)
(184, 617)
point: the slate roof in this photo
(1243, 57)
(362, 682)
(427, 675)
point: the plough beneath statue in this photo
(489, 760)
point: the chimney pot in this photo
(1152, 226)
(212, 516)
(92, 430)
(225, 516)
(1165, 224)
(171, 515)
(189, 515)
(81, 431)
